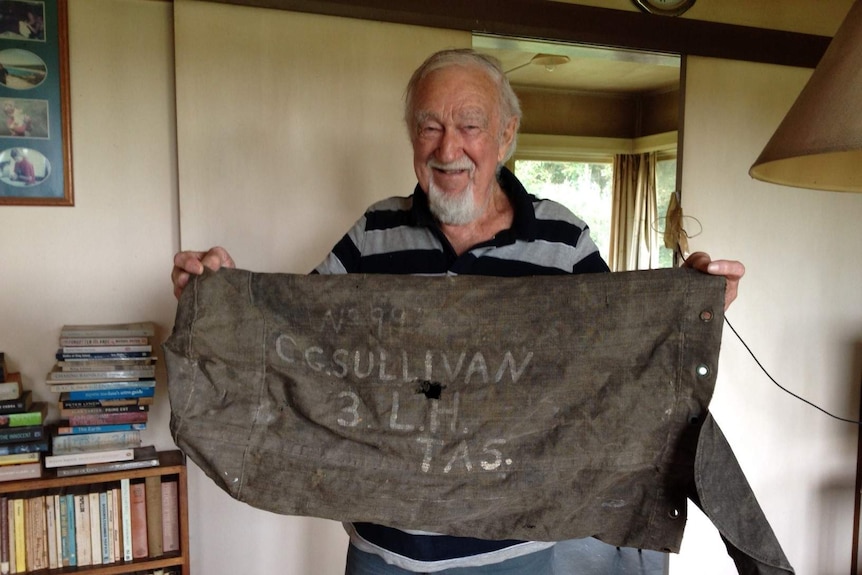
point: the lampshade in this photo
(818, 145)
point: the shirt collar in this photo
(523, 224)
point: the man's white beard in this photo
(453, 209)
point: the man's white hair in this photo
(508, 102)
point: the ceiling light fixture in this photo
(549, 61)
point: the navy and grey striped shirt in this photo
(400, 236)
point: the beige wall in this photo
(288, 127)
(800, 311)
(107, 259)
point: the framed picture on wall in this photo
(35, 139)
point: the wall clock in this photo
(664, 7)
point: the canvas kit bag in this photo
(536, 408)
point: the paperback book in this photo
(89, 429)
(144, 457)
(102, 410)
(123, 373)
(67, 402)
(89, 457)
(103, 349)
(21, 471)
(108, 418)
(142, 328)
(71, 341)
(39, 446)
(103, 394)
(35, 415)
(100, 385)
(110, 364)
(15, 458)
(21, 434)
(76, 353)
(62, 444)
(22, 403)
(11, 387)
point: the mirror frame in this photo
(562, 21)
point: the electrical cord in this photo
(781, 387)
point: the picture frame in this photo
(35, 123)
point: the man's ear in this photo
(507, 138)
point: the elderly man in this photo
(467, 215)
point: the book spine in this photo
(66, 403)
(14, 458)
(72, 341)
(21, 434)
(126, 393)
(117, 529)
(4, 535)
(72, 540)
(103, 411)
(57, 535)
(105, 349)
(67, 355)
(84, 457)
(153, 489)
(170, 516)
(95, 528)
(82, 529)
(140, 328)
(138, 500)
(10, 390)
(64, 444)
(29, 536)
(107, 518)
(126, 516)
(112, 364)
(51, 529)
(27, 447)
(75, 386)
(23, 419)
(38, 554)
(20, 536)
(75, 470)
(10, 515)
(9, 407)
(119, 374)
(20, 471)
(111, 428)
(109, 418)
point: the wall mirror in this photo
(585, 108)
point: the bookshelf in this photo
(171, 465)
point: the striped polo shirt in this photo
(400, 236)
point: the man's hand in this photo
(187, 264)
(732, 271)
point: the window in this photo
(586, 188)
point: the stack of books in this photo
(23, 439)
(105, 378)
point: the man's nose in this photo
(451, 146)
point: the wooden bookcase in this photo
(171, 464)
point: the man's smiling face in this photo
(457, 141)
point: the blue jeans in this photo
(538, 563)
